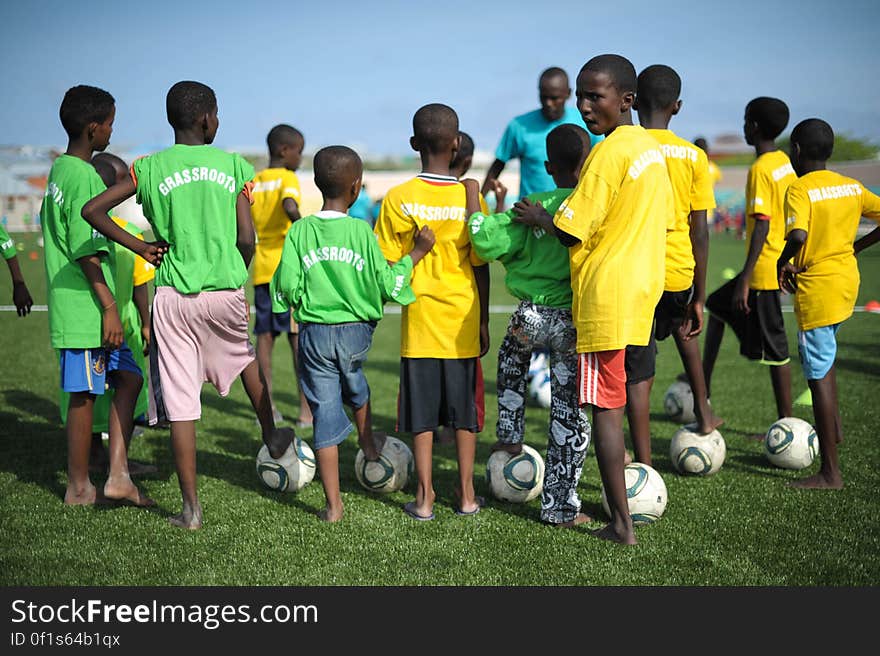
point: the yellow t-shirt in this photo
(271, 187)
(620, 211)
(143, 272)
(767, 181)
(828, 206)
(444, 320)
(714, 171)
(692, 190)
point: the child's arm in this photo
(759, 237)
(500, 194)
(699, 233)
(291, 209)
(111, 326)
(246, 240)
(95, 213)
(21, 297)
(140, 296)
(868, 240)
(787, 272)
(534, 214)
(481, 274)
(871, 210)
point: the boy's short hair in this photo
(435, 126)
(700, 142)
(188, 101)
(815, 139)
(619, 69)
(280, 135)
(465, 150)
(566, 145)
(658, 87)
(82, 105)
(552, 73)
(108, 167)
(771, 115)
(336, 168)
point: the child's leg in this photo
(371, 443)
(466, 451)
(121, 421)
(780, 376)
(638, 415)
(423, 447)
(711, 346)
(825, 411)
(608, 434)
(513, 365)
(276, 440)
(305, 412)
(183, 444)
(265, 344)
(80, 490)
(689, 351)
(328, 468)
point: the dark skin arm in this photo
(491, 175)
(481, 273)
(141, 297)
(95, 214)
(21, 297)
(291, 209)
(111, 326)
(741, 293)
(868, 240)
(247, 239)
(787, 272)
(693, 322)
(534, 214)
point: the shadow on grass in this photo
(858, 366)
(29, 403)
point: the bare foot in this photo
(120, 488)
(278, 441)
(138, 468)
(513, 449)
(710, 423)
(421, 509)
(818, 482)
(188, 519)
(580, 518)
(609, 533)
(372, 451)
(80, 496)
(330, 514)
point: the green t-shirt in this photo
(537, 264)
(7, 244)
(333, 271)
(75, 313)
(188, 194)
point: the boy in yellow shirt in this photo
(276, 206)
(823, 210)
(750, 302)
(614, 224)
(445, 331)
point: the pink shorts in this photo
(602, 379)
(196, 338)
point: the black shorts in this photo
(268, 321)
(639, 361)
(761, 332)
(670, 312)
(435, 392)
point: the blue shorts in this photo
(85, 370)
(817, 349)
(332, 375)
(266, 320)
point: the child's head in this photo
(464, 156)
(765, 119)
(193, 106)
(338, 173)
(659, 88)
(111, 168)
(286, 145)
(812, 141)
(553, 91)
(606, 89)
(567, 148)
(435, 130)
(702, 144)
(88, 112)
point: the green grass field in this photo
(742, 526)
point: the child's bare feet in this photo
(373, 449)
(85, 495)
(121, 488)
(710, 423)
(190, 518)
(331, 514)
(580, 518)
(278, 441)
(514, 448)
(608, 532)
(818, 482)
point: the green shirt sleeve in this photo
(394, 281)
(7, 245)
(496, 236)
(285, 288)
(82, 239)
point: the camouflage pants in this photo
(532, 326)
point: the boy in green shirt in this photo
(84, 321)
(21, 297)
(334, 274)
(197, 200)
(538, 274)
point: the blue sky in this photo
(355, 72)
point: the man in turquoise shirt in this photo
(526, 135)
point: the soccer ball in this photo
(791, 443)
(391, 472)
(539, 388)
(692, 453)
(645, 494)
(291, 472)
(679, 402)
(515, 479)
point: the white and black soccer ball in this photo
(515, 479)
(645, 494)
(678, 402)
(692, 453)
(539, 388)
(391, 472)
(791, 443)
(289, 473)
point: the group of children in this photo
(609, 262)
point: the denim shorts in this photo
(817, 349)
(332, 358)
